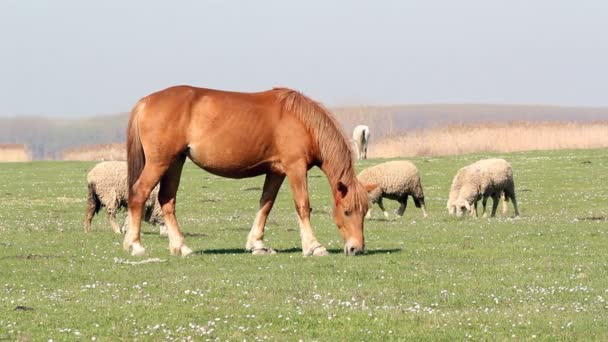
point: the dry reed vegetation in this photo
(97, 152)
(487, 137)
(14, 153)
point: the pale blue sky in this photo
(81, 58)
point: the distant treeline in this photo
(48, 138)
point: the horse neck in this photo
(338, 171)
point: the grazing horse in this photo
(278, 133)
(361, 139)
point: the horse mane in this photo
(334, 146)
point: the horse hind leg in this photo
(138, 195)
(169, 184)
(255, 242)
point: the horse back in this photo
(231, 134)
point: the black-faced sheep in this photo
(480, 180)
(396, 180)
(107, 184)
(360, 141)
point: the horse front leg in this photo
(299, 189)
(255, 242)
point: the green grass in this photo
(541, 276)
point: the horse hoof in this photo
(137, 250)
(263, 251)
(185, 251)
(182, 250)
(321, 251)
(317, 250)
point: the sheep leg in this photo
(299, 189)
(111, 212)
(169, 183)
(125, 225)
(484, 202)
(473, 212)
(162, 230)
(88, 217)
(255, 242)
(511, 195)
(381, 205)
(423, 207)
(403, 206)
(138, 195)
(369, 211)
(504, 198)
(495, 200)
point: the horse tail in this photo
(136, 158)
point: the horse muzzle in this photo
(352, 249)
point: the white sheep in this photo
(361, 140)
(107, 184)
(480, 180)
(396, 180)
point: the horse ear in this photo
(342, 189)
(370, 187)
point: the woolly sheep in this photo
(360, 141)
(396, 180)
(480, 180)
(107, 184)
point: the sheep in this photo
(361, 140)
(107, 184)
(396, 180)
(480, 180)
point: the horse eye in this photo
(347, 213)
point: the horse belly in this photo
(232, 160)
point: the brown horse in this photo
(276, 133)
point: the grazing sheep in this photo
(361, 140)
(396, 180)
(107, 183)
(480, 180)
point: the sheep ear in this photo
(467, 205)
(370, 187)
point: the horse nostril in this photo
(352, 250)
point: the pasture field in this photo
(542, 276)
